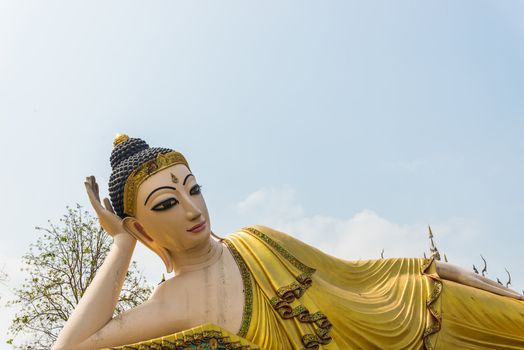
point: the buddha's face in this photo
(172, 210)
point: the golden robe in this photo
(299, 297)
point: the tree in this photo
(3, 276)
(3, 279)
(60, 266)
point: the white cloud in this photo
(361, 235)
(271, 204)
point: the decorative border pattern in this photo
(297, 263)
(248, 288)
(288, 294)
(433, 296)
(205, 340)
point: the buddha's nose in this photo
(192, 211)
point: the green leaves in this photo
(59, 267)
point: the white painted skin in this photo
(457, 274)
(207, 286)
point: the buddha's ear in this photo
(134, 227)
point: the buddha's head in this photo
(159, 199)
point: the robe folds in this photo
(298, 297)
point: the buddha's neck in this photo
(197, 258)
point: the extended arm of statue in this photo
(91, 323)
(457, 274)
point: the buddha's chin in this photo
(195, 241)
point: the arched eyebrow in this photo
(158, 189)
(187, 176)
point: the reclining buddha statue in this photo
(258, 288)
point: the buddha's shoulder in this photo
(174, 287)
(289, 243)
(267, 234)
(280, 242)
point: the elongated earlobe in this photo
(140, 229)
(134, 228)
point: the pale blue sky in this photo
(295, 114)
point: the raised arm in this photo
(97, 305)
(456, 274)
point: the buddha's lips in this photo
(198, 227)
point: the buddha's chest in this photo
(214, 295)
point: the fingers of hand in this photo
(94, 201)
(108, 205)
(94, 186)
(97, 190)
(93, 196)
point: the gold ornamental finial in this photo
(434, 251)
(119, 138)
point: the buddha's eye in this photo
(168, 203)
(195, 190)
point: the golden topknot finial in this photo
(119, 138)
